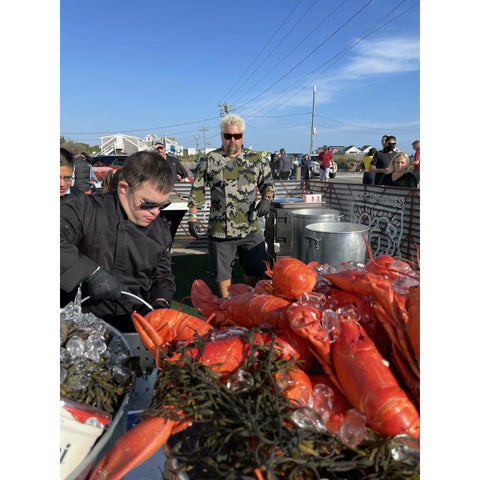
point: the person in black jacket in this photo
(179, 172)
(382, 158)
(117, 242)
(398, 175)
(81, 174)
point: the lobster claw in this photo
(150, 338)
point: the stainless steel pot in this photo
(335, 243)
(301, 218)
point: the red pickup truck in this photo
(103, 163)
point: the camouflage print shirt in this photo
(233, 182)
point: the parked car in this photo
(103, 163)
(333, 169)
(108, 160)
(316, 167)
(190, 175)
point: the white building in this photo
(120, 143)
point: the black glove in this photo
(156, 305)
(193, 228)
(102, 285)
(263, 207)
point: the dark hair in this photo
(389, 138)
(88, 158)
(111, 179)
(145, 166)
(66, 158)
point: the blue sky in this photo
(155, 67)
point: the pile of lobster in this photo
(359, 323)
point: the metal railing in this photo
(392, 213)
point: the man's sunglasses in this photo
(229, 136)
(149, 205)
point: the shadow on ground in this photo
(186, 269)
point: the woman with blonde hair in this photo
(398, 174)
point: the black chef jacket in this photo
(95, 230)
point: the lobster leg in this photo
(398, 335)
(131, 450)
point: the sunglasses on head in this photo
(229, 136)
(149, 205)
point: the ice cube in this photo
(331, 323)
(306, 417)
(316, 300)
(353, 428)
(348, 312)
(322, 401)
(242, 381)
(405, 449)
(75, 346)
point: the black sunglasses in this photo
(149, 205)
(229, 136)
(146, 205)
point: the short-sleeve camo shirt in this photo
(233, 182)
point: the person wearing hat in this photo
(179, 172)
(368, 177)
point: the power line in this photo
(374, 28)
(291, 51)
(310, 54)
(265, 46)
(270, 54)
(140, 129)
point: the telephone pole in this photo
(226, 109)
(204, 129)
(312, 131)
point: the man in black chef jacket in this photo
(118, 242)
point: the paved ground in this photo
(189, 247)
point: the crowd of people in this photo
(284, 166)
(115, 242)
(390, 166)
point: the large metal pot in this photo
(335, 243)
(303, 217)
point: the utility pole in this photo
(312, 131)
(204, 129)
(226, 109)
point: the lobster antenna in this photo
(181, 301)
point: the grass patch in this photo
(186, 269)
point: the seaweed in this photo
(249, 433)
